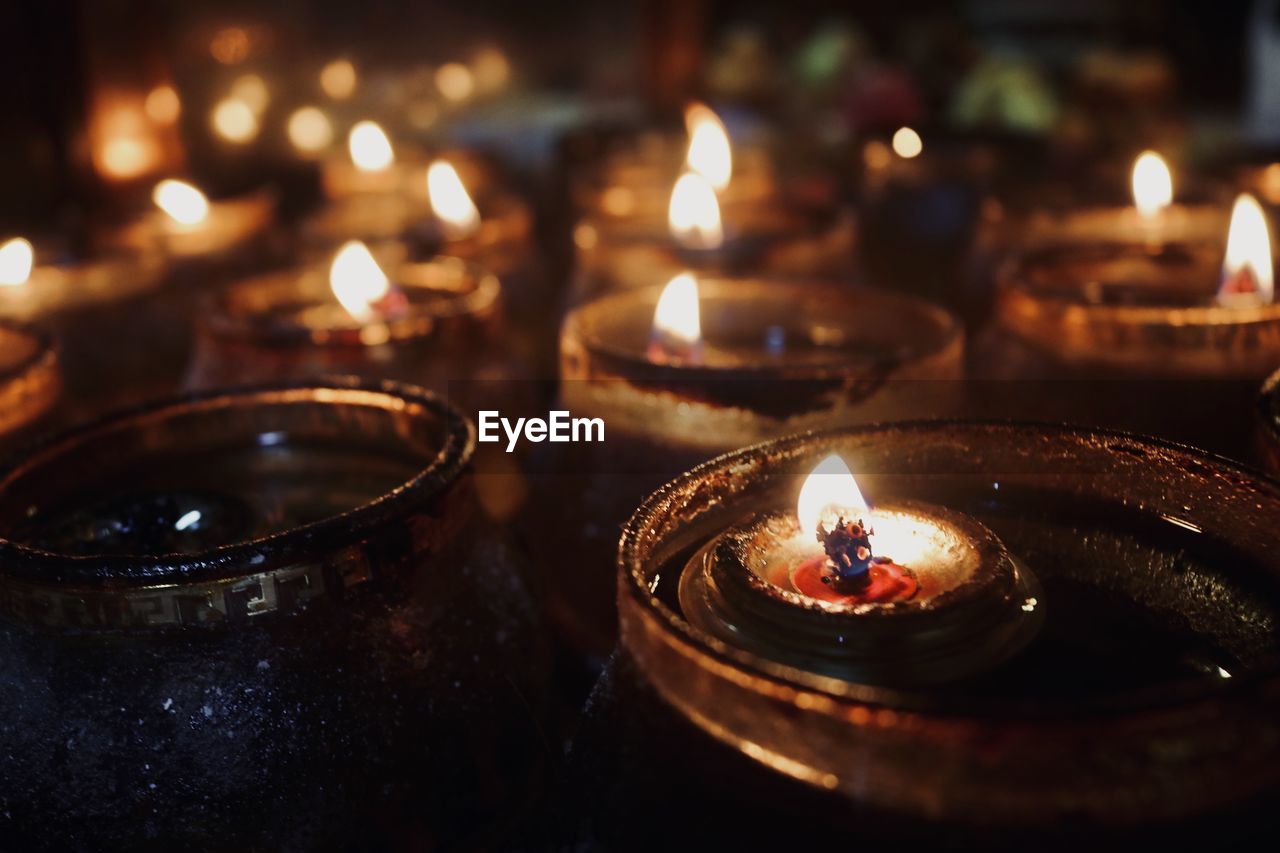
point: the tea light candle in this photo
(715, 217)
(379, 317)
(40, 280)
(186, 225)
(1171, 312)
(907, 593)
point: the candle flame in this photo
(694, 213)
(185, 204)
(1152, 184)
(907, 143)
(357, 281)
(17, 257)
(252, 91)
(310, 130)
(235, 121)
(1247, 274)
(163, 105)
(709, 152)
(455, 81)
(370, 148)
(450, 201)
(338, 79)
(829, 492)
(676, 318)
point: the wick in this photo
(848, 548)
(1241, 282)
(665, 348)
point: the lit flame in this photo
(450, 201)
(694, 213)
(235, 121)
(163, 105)
(676, 319)
(310, 130)
(252, 91)
(357, 280)
(907, 143)
(370, 147)
(455, 81)
(185, 204)
(709, 152)
(829, 492)
(1246, 271)
(338, 79)
(17, 257)
(1152, 184)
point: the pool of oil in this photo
(1132, 600)
(186, 503)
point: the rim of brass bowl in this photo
(1164, 339)
(581, 325)
(29, 387)
(909, 751)
(248, 565)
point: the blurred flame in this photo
(490, 68)
(829, 492)
(252, 90)
(185, 204)
(310, 130)
(694, 213)
(907, 143)
(163, 105)
(235, 121)
(338, 79)
(230, 45)
(357, 281)
(17, 257)
(1152, 184)
(455, 81)
(1246, 269)
(124, 142)
(676, 317)
(450, 201)
(370, 148)
(709, 152)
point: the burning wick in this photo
(1247, 274)
(848, 570)
(453, 207)
(677, 325)
(360, 285)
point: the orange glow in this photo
(310, 130)
(162, 105)
(455, 82)
(450, 200)
(338, 79)
(230, 46)
(235, 121)
(676, 316)
(184, 204)
(370, 148)
(710, 154)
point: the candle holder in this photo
(230, 229)
(1144, 702)
(30, 381)
(272, 613)
(290, 325)
(122, 335)
(1098, 309)
(778, 356)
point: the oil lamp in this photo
(713, 216)
(702, 365)
(30, 381)
(1129, 685)
(79, 298)
(1169, 312)
(264, 579)
(186, 226)
(381, 317)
